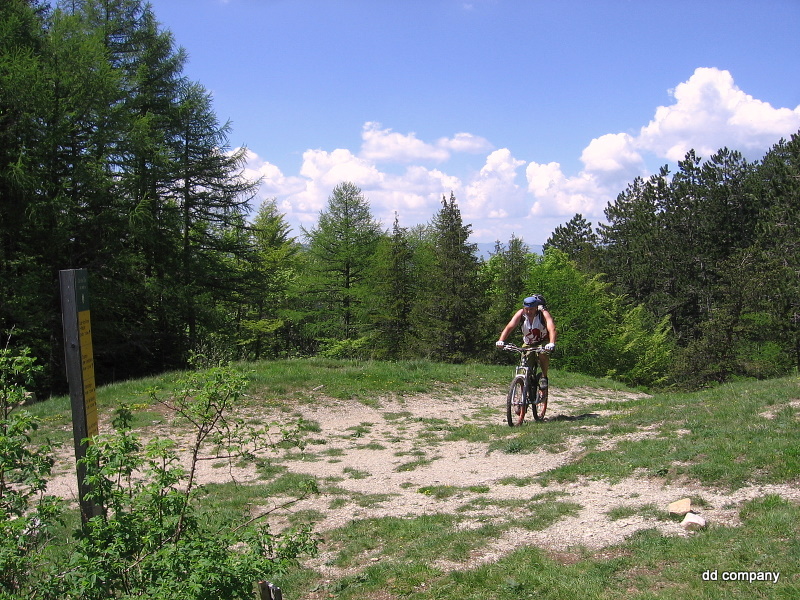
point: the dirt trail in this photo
(378, 461)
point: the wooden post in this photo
(269, 591)
(79, 361)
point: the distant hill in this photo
(486, 249)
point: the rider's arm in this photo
(512, 324)
(550, 324)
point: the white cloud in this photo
(710, 112)
(273, 181)
(494, 193)
(384, 145)
(613, 152)
(465, 142)
(556, 194)
(415, 194)
(331, 168)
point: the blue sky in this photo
(529, 111)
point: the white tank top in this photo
(533, 331)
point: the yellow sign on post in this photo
(79, 359)
(87, 371)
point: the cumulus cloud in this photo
(555, 194)
(465, 142)
(384, 145)
(709, 112)
(612, 153)
(494, 193)
(331, 168)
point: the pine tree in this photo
(393, 293)
(341, 249)
(211, 196)
(506, 275)
(264, 329)
(578, 241)
(450, 316)
(632, 240)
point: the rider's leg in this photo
(544, 363)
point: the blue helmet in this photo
(535, 300)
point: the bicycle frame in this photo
(527, 393)
(528, 361)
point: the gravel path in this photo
(378, 459)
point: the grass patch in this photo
(645, 567)
(648, 511)
(372, 446)
(290, 484)
(360, 430)
(414, 464)
(715, 437)
(311, 378)
(440, 492)
(356, 473)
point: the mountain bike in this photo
(524, 391)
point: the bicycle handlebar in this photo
(513, 348)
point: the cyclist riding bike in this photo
(538, 329)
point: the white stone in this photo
(693, 522)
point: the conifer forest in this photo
(112, 160)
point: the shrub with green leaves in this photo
(149, 537)
(151, 540)
(599, 333)
(26, 515)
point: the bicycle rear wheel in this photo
(539, 401)
(515, 403)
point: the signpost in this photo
(79, 359)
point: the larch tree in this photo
(452, 307)
(341, 248)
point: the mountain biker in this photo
(538, 329)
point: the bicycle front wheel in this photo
(515, 403)
(539, 402)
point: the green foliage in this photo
(148, 537)
(505, 275)
(393, 294)
(598, 333)
(647, 349)
(111, 159)
(269, 275)
(340, 249)
(26, 516)
(577, 240)
(115, 163)
(357, 349)
(712, 250)
(451, 306)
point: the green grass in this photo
(717, 438)
(310, 378)
(650, 511)
(647, 566)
